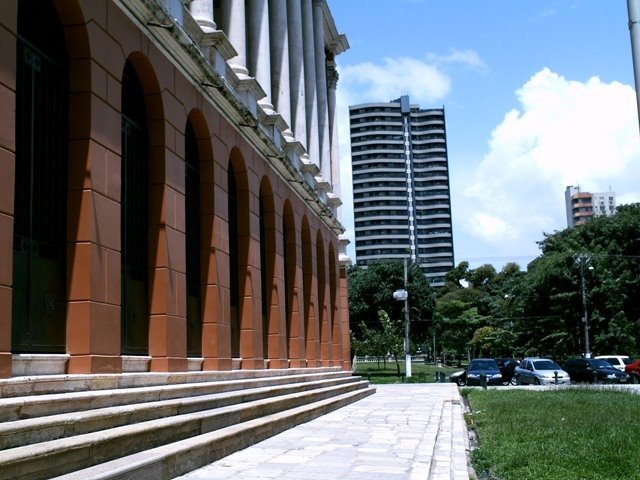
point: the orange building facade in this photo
(170, 186)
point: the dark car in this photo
(633, 369)
(594, 370)
(486, 367)
(507, 368)
(459, 377)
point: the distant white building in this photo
(583, 206)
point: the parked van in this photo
(616, 361)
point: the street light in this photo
(633, 10)
(403, 295)
(583, 260)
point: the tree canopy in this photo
(534, 312)
(371, 291)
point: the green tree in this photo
(490, 341)
(551, 288)
(454, 328)
(371, 290)
(370, 344)
(393, 337)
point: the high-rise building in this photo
(402, 203)
(583, 206)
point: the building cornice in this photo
(336, 42)
(218, 84)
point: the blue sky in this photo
(538, 95)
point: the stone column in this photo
(259, 47)
(332, 82)
(296, 72)
(280, 92)
(202, 13)
(311, 104)
(233, 24)
(321, 85)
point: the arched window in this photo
(193, 254)
(40, 220)
(134, 227)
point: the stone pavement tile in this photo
(413, 432)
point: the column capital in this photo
(332, 76)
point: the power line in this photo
(517, 257)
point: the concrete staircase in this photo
(155, 425)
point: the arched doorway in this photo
(134, 216)
(289, 241)
(193, 228)
(234, 262)
(310, 328)
(40, 221)
(267, 270)
(321, 274)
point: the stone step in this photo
(31, 406)
(174, 459)
(40, 429)
(64, 455)
(52, 384)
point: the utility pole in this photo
(407, 347)
(403, 295)
(633, 9)
(583, 260)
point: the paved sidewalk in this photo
(408, 431)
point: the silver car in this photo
(540, 371)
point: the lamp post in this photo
(633, 10)
(401, 295)
(583, 260)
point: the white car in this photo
(617, 361)
(540, 371)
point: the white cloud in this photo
(469, 58)
(565, 132)
(369, 82)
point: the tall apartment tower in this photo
(402, 203)
(583, 206)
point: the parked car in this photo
(459, 377)
(540, 371)
(633, 369)
(483, 366)
(507, 368)
(594, 370)
(616, 361)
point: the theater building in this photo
(169, 196)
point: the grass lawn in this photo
(572, 434)
(420, 373)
